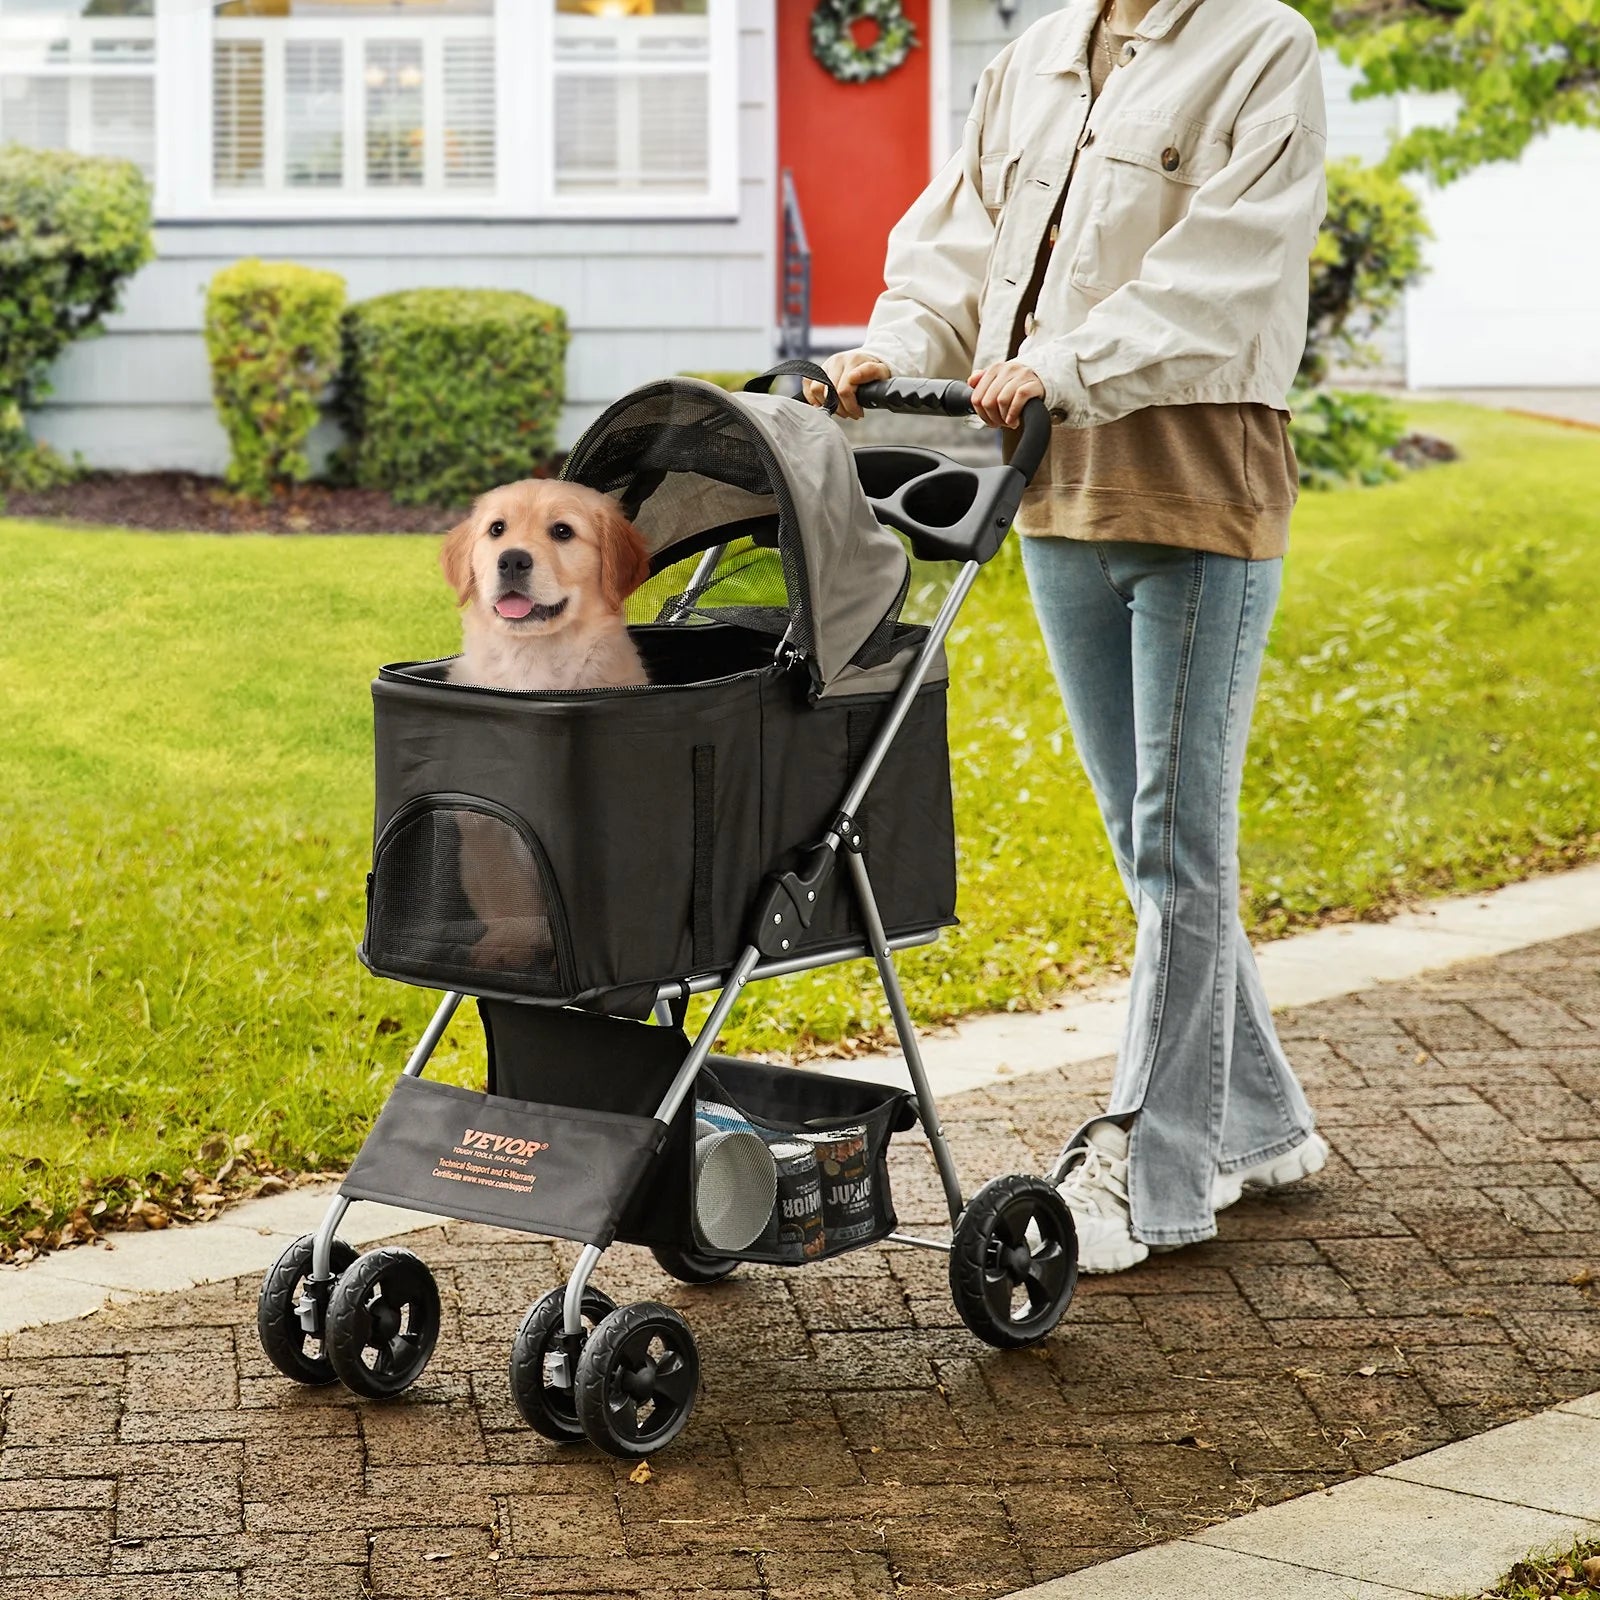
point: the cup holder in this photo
(942, 499)
(883, 469)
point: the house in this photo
(623, 159)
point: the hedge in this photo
(1368, 251)
(446, 392)
(73, 229)
(272, 333)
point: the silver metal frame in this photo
(750, 967)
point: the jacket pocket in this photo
(995, 174)
(1147, 167)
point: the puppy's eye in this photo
(496, 529)
(561, 531)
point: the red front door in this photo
(859, 153)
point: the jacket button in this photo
(1126, 54)
(1170, 159)
(1029, 323)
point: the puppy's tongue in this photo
(513, 606)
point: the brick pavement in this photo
(1440, 1277)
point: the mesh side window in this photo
(460, 891)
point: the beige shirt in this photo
(1218, 477)
(1180, 276)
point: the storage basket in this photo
(565, 1140)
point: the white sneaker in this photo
(1096, 1192)
(1310, 1155)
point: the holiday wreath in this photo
(833, 44)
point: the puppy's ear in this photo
(624, 560)
(455, 558)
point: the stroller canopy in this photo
(695, 466)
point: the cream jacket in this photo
(1180, 274)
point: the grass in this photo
(1572, 1574)
(185, 800)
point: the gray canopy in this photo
(695, 467)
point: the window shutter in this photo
(393, 75)
(237, 114)
(676, 151)
(122, 120)
(34, 111)
(469, 113)
(313, 113)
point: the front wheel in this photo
(543, 1398)
(637, 1380)
(1014, 1261)
(296, 1351)
(383, 1322)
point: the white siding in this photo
(642, 299)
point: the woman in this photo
(1124, 234)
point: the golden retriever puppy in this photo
(542, 569)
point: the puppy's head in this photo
(537, 557)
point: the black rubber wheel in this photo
(294, 1352)
(546, 1407)
(383, 1322)
(637, 1380)
(1014, 1261)
(691, 1266)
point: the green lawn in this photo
(185, 806)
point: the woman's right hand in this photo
(848, 369)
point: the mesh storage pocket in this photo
(461, 889)
(828, 1139)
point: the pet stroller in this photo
(776, 799)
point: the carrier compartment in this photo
(461, 893)
(510, 1163)
(658, 813)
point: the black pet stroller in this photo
(777, 799)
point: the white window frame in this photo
(81, 70)
(524, 187)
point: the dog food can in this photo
(796, 1234)
(849, 1210)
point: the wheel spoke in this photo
(674, 1381)
(634, 1351)
(997, 1291)
(1046, 1277)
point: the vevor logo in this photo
(500, 1144)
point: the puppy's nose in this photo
(516, 563)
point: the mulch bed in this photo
(185, 500)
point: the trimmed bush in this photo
(73, 229)
(1369, 250)
(1344, 440)
(272, 333)
(447, 392)
(731, 381)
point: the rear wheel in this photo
(637, 1380)
(692, 1266)
(298, 1352)
(383, 1322)
(547, 1404)
(1014, 1261)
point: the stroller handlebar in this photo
(953, 398)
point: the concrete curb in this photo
(1451, 1522)
(1078, 1037)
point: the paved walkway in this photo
(1441, 1277)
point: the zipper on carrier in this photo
(451, 801)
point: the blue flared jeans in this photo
(1158, 653)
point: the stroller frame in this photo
(751, 968)
(995, 1232)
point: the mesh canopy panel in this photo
(774, 481)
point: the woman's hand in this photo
(999, 393)
(848, 369)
